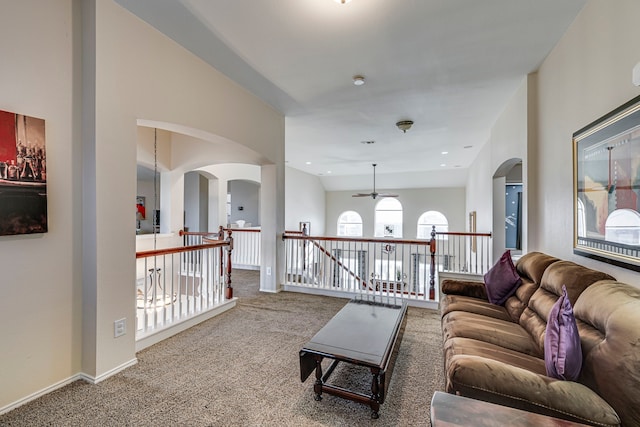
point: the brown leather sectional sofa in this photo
(496, 353)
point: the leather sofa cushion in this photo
(533, 265)
(471, 347)
(575, 277)
(472, 305)
(498, 382)
(517, 303)
(468, 288)
(608, 318)
(494, 331)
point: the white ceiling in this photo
(448, 65)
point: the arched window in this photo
(350, 224)
(388, 218)
(623, 226)
(582, 228)
(427, 220)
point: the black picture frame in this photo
(606, 188)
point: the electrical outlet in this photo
(119, 328)
(268, 271)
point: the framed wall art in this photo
(23, 175)
(472, 230)
(305, 227)
(606, 196)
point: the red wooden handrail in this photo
(462, 233)
(195, 233)
(179, 249)
(244, 230)
(299, 236)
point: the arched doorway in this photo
(508, 208)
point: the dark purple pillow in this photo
(502, 280)
(562, 348)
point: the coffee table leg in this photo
(375, 394)
(317, 387)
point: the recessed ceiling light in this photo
(328, 171)
(442, 164)
(445, 152)
(468, 146)
(358, 80)
(307, 163)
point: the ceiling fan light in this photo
(404, 125)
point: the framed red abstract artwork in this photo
(606, 158)
(23, 175)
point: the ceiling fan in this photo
(374, 194)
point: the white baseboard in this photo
(110, 373)
(53, 387)
(40, 393)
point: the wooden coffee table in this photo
(364, 333)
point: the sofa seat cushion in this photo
(471, 347)
(495, 331)
(472, 305)
(498, 382)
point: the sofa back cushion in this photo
(575, 277)
(608, 318)
(530, 267)
(533, 265)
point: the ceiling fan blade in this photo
(374, 194)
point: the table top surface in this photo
(362, 331)
(449, 410)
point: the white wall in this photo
(63, 290)
(245, 194)
(40, 308)
(145, 75)
(587, 75)
(304, 201)
(196, 198)
(448, 201)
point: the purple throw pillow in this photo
(562, 348)
(502, 280)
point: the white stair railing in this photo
(177, 284)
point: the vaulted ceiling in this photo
(450, 66)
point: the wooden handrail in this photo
(461, 233)
(180, 249)
(195, 233)
(298, 234)
(244, 230)
(293, 235)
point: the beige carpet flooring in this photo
(241, 369)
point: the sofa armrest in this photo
(498, 382)
(466, 288)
